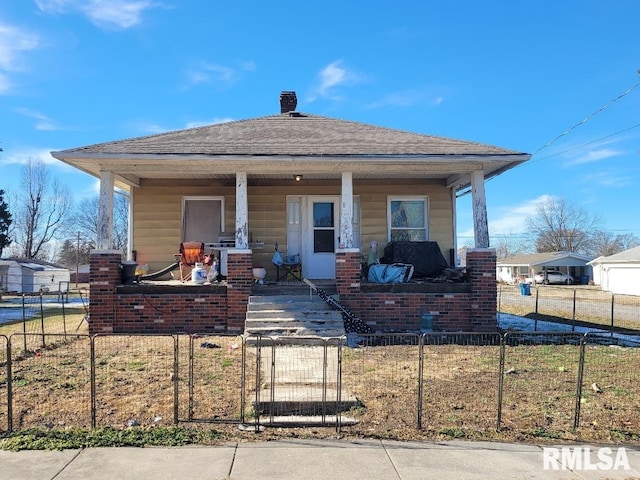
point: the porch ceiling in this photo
(454, 170)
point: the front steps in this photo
(292, 315)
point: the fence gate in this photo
(297, 381)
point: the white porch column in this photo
(346, 211)
(105, 212)
(480, 224)
(242, 211)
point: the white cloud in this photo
(103, 13)
(23, 156)
(610, 179)
(13, 42)
(209, 72)
(43, 123)
(513, 218)
(196, 124)
(408, 98)
(330, 77)
(593, 156)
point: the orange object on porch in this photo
(190, 254)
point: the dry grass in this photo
(134, 381)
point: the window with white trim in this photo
(407, 218)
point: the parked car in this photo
(553, 276)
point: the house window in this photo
(202, 219)
(407, 219)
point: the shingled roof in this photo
(291, 133)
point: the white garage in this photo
(31, 276)
(619, 273)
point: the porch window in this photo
(202, 219)
(407, 219)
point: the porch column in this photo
(242, 211)
(346, 211)
(480, 225)
(105, 211)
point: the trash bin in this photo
(128, 273)
(525, 289)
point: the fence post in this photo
(501, 380)
(92, 363)
(9, 388)
(339, 385)
(573, 316)
(420, 378)
(175, 379)
(24, 325)
(537, 293)
(613, 302)
(191, 375)
(42, 320)
(576, 417)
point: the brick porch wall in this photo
(401, 312)
(145, 309)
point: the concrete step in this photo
(292, 315)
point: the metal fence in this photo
(575, 307)
(438, 383)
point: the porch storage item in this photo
(426, 257)
(190, 254)
(396, 273)
(128, 272)
(199, 274)
(290, 265)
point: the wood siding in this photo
(157, 215)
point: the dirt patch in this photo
(134, 385)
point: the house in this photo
(318, 187)
(618, 273)
(522, 268)
(32, 276)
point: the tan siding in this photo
(158, 215)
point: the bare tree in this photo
(561, 226)
(41, 209)
(85, 220)
(606, 243)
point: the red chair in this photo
(190, 254)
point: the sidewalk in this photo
(303, 459)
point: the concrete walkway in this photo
(308, 460)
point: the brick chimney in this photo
(288, 102)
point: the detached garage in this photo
(619, 273)
(30, 276)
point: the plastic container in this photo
(199, 274)
(525, 289)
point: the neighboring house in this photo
(319, 187)
(619, 273)
(522, 268)
(32, 276)
(82, 274)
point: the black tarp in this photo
(426, 257)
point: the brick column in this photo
(348, 276)
(239, 281)
(481, 264)
(104, 275)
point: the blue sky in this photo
(514, 74)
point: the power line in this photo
(589, 143)
(589, 117)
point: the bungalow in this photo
(522, 268)
(619, 273)
(317, 187)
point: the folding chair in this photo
(290, 264)
(190, 254)
(84, 298)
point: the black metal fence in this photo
(574, 306)
(441, 383)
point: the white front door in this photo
(321, 237)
